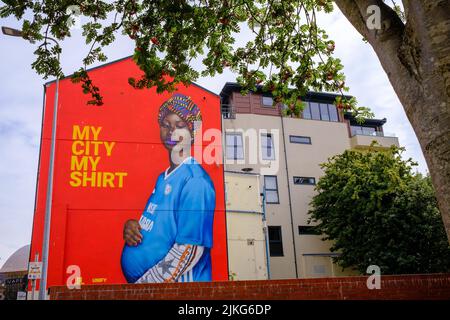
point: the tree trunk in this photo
(416, 58)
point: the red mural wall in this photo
(107, 161)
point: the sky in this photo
(22, 96)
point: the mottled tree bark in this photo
(416, 58)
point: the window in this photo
(267, 101)
(271, 189)
(300, 139)
(275, 241)
(234, 146)
(305, 180)
(307, 230)
(332, 110)
(315, 111)
(307, 111)
(267, 148)
(324, 112)
(320, 111)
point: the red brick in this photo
(432, 286)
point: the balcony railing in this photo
(360, 132)
(228, 111)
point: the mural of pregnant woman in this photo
(172, 240)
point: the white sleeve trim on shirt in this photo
(180, 259)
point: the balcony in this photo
(228, 111)
(362, 139)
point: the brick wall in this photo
(434, 286)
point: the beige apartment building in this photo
(285, 153)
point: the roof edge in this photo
(234, 86)
(379, 122)
(119, 60)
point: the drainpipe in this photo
(266, 236)
(289, 193)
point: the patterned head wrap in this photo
(183, 107)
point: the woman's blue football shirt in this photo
(180, 210)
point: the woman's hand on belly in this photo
(131, 233)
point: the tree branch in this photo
(406, 5)
(350, 9)
(387, 42)
(430, 31)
